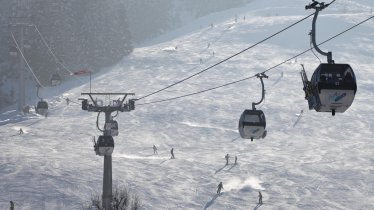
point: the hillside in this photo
(322, 162)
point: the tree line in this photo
(87, 34)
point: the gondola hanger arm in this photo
(261, 75)
(318, 7)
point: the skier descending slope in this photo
(227, 158)
(172, 153)
(155, 150)
(11, 205)
(219, 188)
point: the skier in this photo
(67, 101)
(259, 198)
(227, 159)
(201, 60)
(236, 159)
(155, 150)
(11, 205)
(172, 153)
(20, 131)
(219, 188)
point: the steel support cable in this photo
(269, 69)
(195, 93)
(224, 60)
(327, 40)
(27, 63)
(53, 54)
(228, 58)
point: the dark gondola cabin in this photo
(42, 108)
(252, 124)
(112, 127)
(13, 51)
(55, 79)
(334, 88)
(104, 145)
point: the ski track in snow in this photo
(324, 162)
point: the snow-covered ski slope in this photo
(323, 162)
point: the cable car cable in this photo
(53, 54)
(23, 56)
(199, 92)
(228, 58)
(232, 56)
(269, 69)
(327, 40)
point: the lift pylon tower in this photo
(105, 144)
(19, 24)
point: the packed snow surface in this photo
(320, 162)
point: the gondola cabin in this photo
(42, 108)
(334, 88)
(55, 79)
(112, 127)
(104, 145)
(252, 124)
(13, 51)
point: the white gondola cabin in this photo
(104, 145)
(55, 79)
(252, 124)
(13, 51)
(333, 88)
(42, 108)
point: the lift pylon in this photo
(105, 143)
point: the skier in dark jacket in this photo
(259, 198)
(172, 153)
(227, 158)
(155, 150)
(219, 188)
(20, 131)
(11, 205)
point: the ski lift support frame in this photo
(118, 107)
(107, 195)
